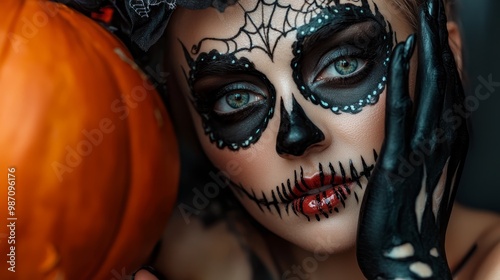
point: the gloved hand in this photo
(410, 194)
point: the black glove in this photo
(410, 194)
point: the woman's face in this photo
(288, 100)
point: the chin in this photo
(332, 235)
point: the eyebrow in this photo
(215, 63)
(339, 21)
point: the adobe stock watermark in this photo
(122, 274)
(201, 198)
(31, 24)
(309, 265)
(454, 117)
(92, 138)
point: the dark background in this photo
(480, 184)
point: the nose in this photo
(297, 133)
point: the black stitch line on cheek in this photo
(341, 192)
(322, 19)
(279, 194)
(354, 174)
(238, 65)
(253, 195)
(366, 170)
(284, 192)
(286, 201)
(333, 173)
(296, 182)
(342, 172)
(375, 155)
(302, 180)
(288, 182)
(266, 202)
(346, 188)
(297, 185)
(290, 190)
(275, 203)
(341, 198)
(321, 174)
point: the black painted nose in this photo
(296, 132)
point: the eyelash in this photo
(343, 53)
(240, 87)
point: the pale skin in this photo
(346, 137)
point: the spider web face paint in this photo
(341, 57)
(265, 25)
(318, 25)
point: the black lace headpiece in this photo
(144, 21)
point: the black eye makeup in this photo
(235, 101)
(341, 56)
(340, 60)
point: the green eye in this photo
(237, 96)
(238, 99)
(346, 66)
(341, 67)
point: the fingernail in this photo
(409, 46)
(149, 269)
(432, 8)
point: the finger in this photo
(454, 93)
(398, 106)
(147, 273)
(431, 77)
(455, 126)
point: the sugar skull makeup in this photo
(340, 61)
(278, 111)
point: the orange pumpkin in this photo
(87, 149)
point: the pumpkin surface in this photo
(90, 145)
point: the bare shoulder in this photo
(490, 266)
(473, 244)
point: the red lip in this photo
(322, 202)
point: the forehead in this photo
(257, 26)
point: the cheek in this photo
(373, 123)
(258, 167)
(366, 130)
(354, 135)
(236, 164)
